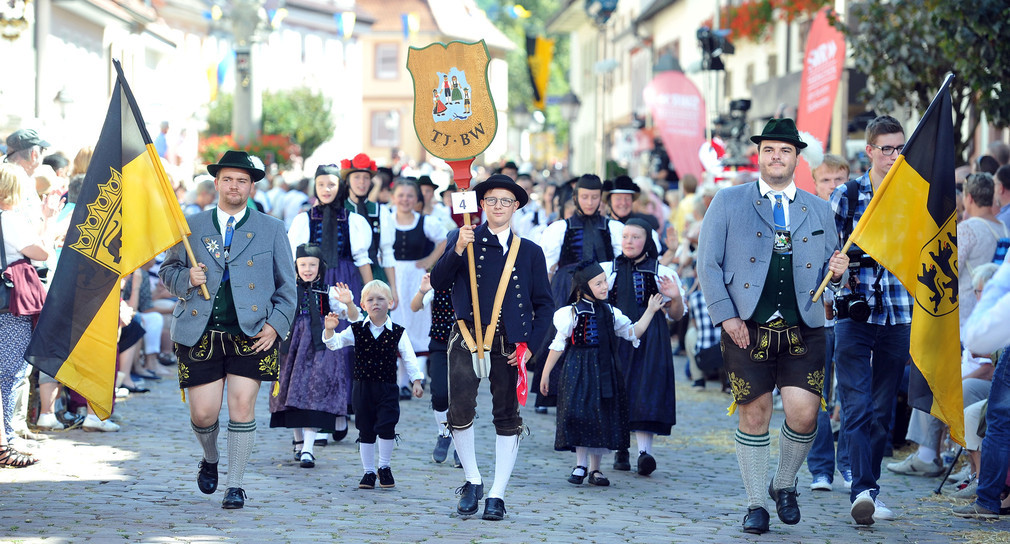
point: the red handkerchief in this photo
(522, 390)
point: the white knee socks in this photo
(367, 452)
(309, 437)
(440, 418)
(462, 439)
(385, 452)
(506, 449)
(644, 440)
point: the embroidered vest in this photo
(375, 358)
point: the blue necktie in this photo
(779, 214)
(229, 231)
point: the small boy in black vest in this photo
(379, 343)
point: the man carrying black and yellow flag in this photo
(901, 215)
(126, 214)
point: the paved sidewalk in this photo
(138, 485)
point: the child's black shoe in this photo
(385, 478)
(367, 481)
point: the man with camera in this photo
(874, 321)
(763, 250)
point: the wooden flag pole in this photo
(461, 176)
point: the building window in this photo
(773, 66)
(387, 61)
(385, 128)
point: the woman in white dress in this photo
(418, 244)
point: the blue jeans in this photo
(867, 392)
(996, 444)
(821, 459)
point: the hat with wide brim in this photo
(780, 130)
(501, 181)
(237, 159)
(621, 185)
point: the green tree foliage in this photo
(520, 87)
(907, 47)
(301, 114)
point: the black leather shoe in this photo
(785, 504)
(541, 409)
(756, 521)
(469, 494)
(207, 477)
(574, 478)
(234, 498)
(494, 509)
(646, 464)
(622, 460)
(340, 435)
(598, 479)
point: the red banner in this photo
(822, 71)
(678, 110)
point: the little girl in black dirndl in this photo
(592, 402)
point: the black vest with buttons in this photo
(375, 358)
(370, 211)
(413, 244)
(573, 247)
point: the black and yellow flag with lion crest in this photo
(910, 228)
(126, 214)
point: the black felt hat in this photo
(589, 181)
(621, 184)
(237, 159)
(780, 130)
(501, 181)
(425, 180)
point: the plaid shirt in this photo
(708, 335)
(896, 303)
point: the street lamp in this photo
(521, 116)
(570, 105)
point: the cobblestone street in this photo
(138, 485)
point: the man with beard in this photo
(244, 259)
(763, 250)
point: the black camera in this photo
(853, 307)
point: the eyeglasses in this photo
(493, 201)
(889, 150)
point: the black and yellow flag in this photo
(910, 228)
(126, 214)
(539, 54)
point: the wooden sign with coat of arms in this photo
(454, 114)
